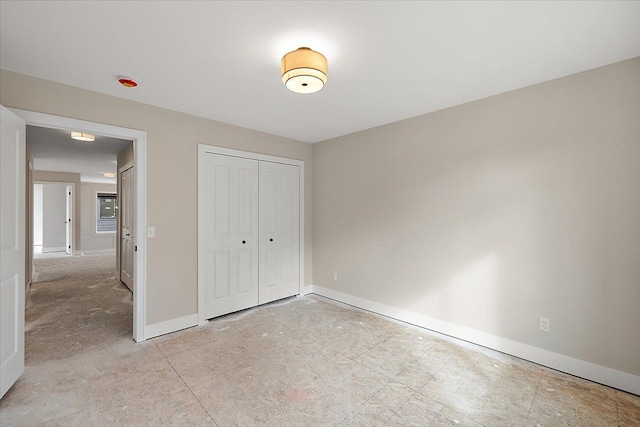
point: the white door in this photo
(279, 231)
(68, 231)
(126, 227)
(12, 250)
(230, 233)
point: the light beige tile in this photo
(565, 401)
(628, 409)
(298, 362)
(449, 417)
(419, 410)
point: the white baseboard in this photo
(580, 368)
(53, 249)
(162, 328)
(306, 290)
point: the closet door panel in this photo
(279, 257)
(230, 234)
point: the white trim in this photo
(30, 217)
(202, 317)
(128, 165)
(139, 139)
(169, 326)
(580, 368)
(204, 149)
(54, 249)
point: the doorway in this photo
(53, 219)
(139, 185)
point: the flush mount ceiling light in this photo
(109, 174)
(304, 70)
(83, 136)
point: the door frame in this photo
(73, 207)
(139, 139)
(203, 150)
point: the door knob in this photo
(244, 241)
(271, 240)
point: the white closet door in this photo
(279, 231)
(230, 234)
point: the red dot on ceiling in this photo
(128, 82)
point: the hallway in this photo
(76, 306)
(82, 366)
(302, 361)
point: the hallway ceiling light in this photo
(83, 136)
(109, 174)
(304, 70)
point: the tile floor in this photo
(302, 361)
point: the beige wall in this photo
(73, 178)
(172, 140)
(494, 213)
(90, 240)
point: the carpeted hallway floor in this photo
(302, 361)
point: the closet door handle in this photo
(244, 241)
(271, 240)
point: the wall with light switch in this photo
(172, 164)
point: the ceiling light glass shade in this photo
(83, 136)
(304, 70)
(109, 175)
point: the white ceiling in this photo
(387, 60)
(54, 150)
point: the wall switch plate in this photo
(151, 232)
(335, 277)
(545, 324)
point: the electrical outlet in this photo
(545, 324)
(151, 232)
(335, 277)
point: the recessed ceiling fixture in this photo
(127, 82)
(83, 136)
(109, 174)
(304, 70)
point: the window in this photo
(106, 217)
